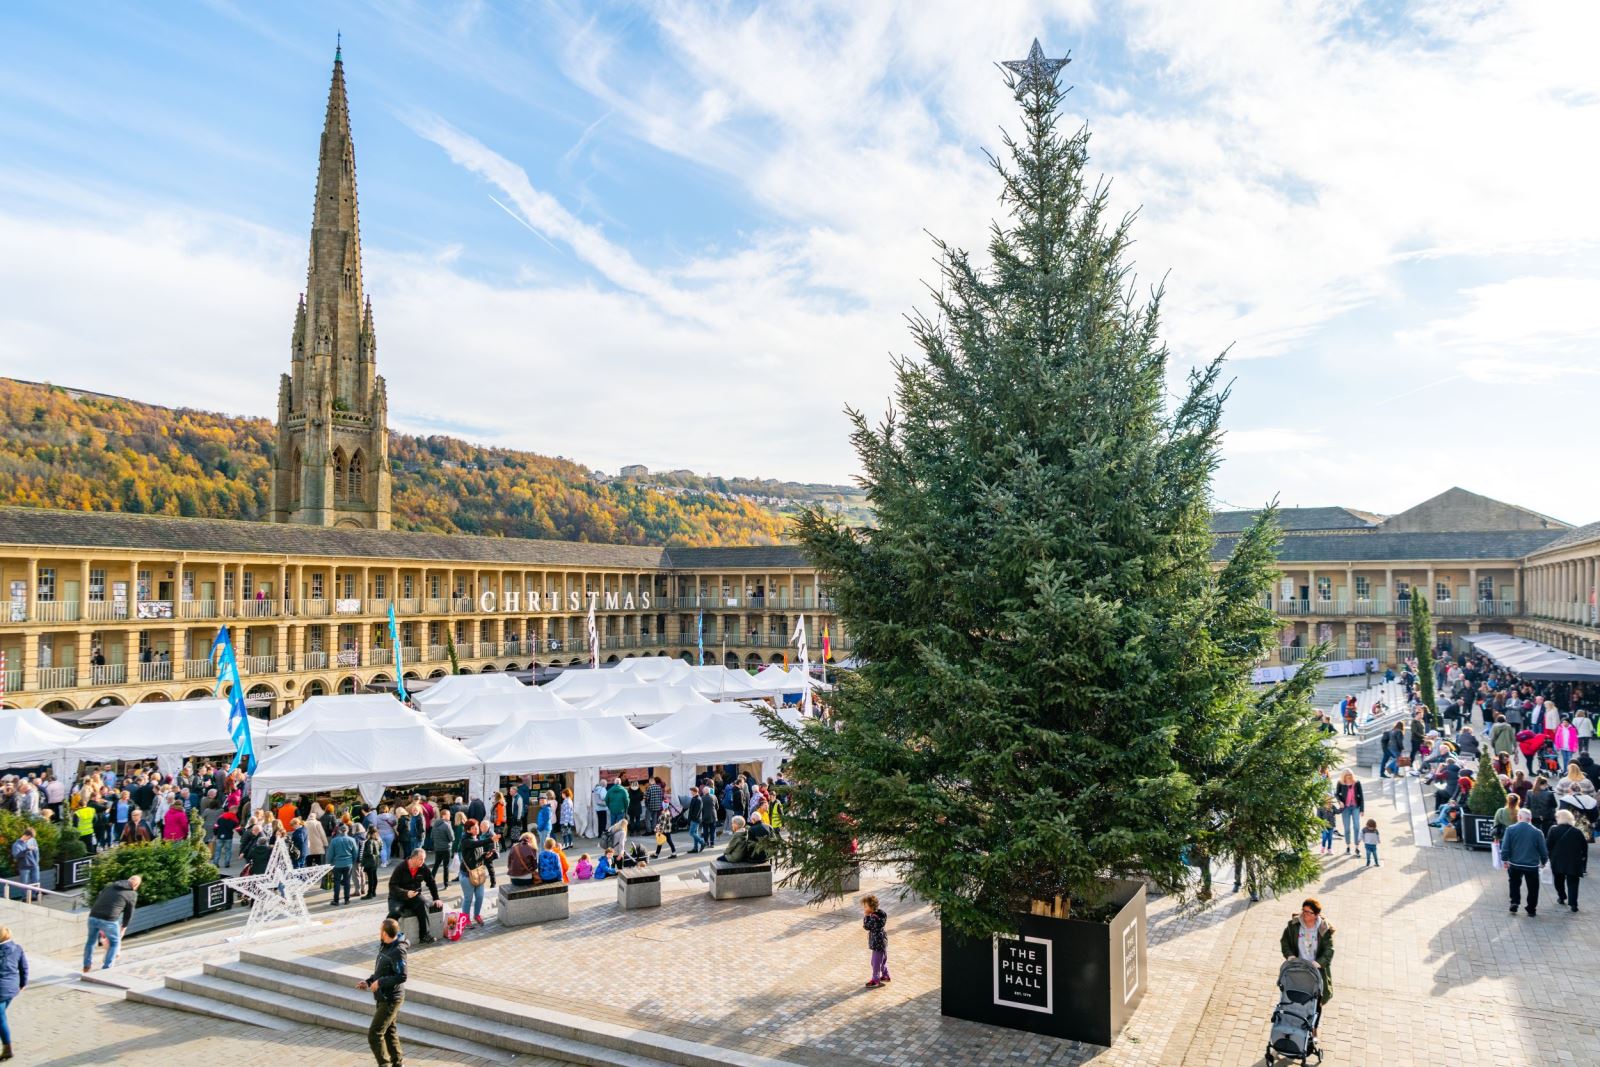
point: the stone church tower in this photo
(332, 466)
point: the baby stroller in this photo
(1294, 1020)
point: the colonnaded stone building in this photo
(113, 608)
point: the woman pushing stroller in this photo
(1305, 983)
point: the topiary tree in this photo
(1055, 686)
(1422, 641)
(450, 650)
(169, 868)
(1488, 795)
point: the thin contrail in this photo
(1413, 392)
(531, 227)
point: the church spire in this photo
(333, 409)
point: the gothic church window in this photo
(338, 472)
(354, 483)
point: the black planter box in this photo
(1063, 977)
(150, 916)
(211, 897)
(1477, 831)
(70, 874)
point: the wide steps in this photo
(521, 1027)
(197, 1004)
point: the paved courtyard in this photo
(1430, 969)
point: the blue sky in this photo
(686, 234)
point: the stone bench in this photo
(411, 928)
(638, 889)
(526, 905)
(732, 881)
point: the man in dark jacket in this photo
(442, 839)
(1523, 851)
(405, 892)
(111, 914)
(1569, 857)
(387, 984)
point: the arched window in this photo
(338, 472)
(358, 465)
(294, 477)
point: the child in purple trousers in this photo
(872, 920)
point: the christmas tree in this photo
(1054, 689)
(1422, 641)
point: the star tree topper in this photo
(1036, 68)
(280, 891)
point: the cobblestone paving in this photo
(1430, 969)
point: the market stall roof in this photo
(655, 669)
(644, 704)
(455, 686)
(29, 737)
(525, 712)
(1535, 660)
(706, 735)
(165, 731)
(570, 745)
(578, 685)
(368, 760)
(483, 712)
(717, 682)
(344, 711)
(774, 679)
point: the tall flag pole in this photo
(699, 635)
(399, 668)
(2, 673)
(805, 663)
(594, 635)
(238, 721)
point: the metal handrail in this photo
(76, 896)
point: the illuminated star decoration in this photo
(1036, 68)
(279, 891)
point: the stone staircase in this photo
(282, 993)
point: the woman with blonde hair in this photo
(13, 980)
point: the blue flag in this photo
(700, 634)
(238, 721)
(399, 670)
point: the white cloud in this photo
(1524, 330)
(1271, 440)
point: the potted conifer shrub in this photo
(1487, 797)
(1053, 709)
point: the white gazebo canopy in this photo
(579, 684)
(717, 682)
(165, 731)
(457, 686)
(706, 736)
(656, 669)
(584, 746)
(368, 760)
(29, 737)
(773, 680)
(644, 704)
(483, 712)
(344, 711)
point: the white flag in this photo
(594, 635)
(805, 663)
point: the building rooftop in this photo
(1404, 547)
(1297, 520)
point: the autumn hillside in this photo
(68, 449)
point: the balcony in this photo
(156, 671)
(199, 668)
(58, 677)
(267, 664)
(408, 605)
(108, 674)
(107, 610)
(437, 654)
(409, 654)
(13, 679)
(55, 610)
(348, 658)
(154, 609)
(315, 608)
(379, 606)
(197, 609)
(378, 657)
(316, 661)
(436, 605)
(261, 608)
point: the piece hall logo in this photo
(1023, 973)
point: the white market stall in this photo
(584, 747)
(168, 732)
(454, 687)
(366, 760)
(712, 736)
(644, 705)
(583, 683)
(717, 682)
(29, 737)
(656, 669)
(479, 714)
(344, 711)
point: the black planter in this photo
(1477, 831)
(150, 916)
(1063, 977)
(70, 874)
(211, 897)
